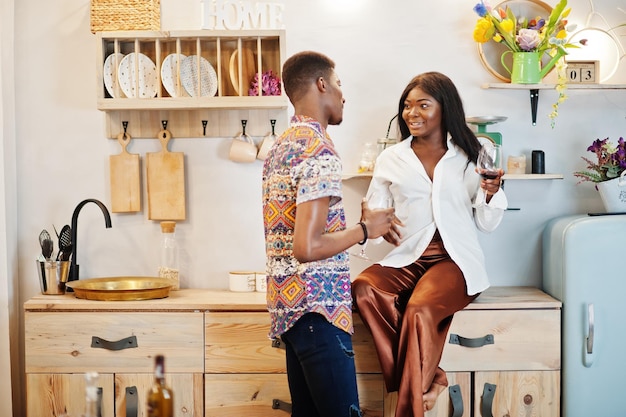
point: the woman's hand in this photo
(377, 221)
(394, 236)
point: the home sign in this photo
(237, 15)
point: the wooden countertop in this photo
(219, 300)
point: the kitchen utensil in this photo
(267, 143)
(242, 147)
(125, 179)
(247, 66)
(46, 243)
(166, 182)
(65, 243)
(121, 288)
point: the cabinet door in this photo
(459, 382)
(520, 393)
(51, 395)
(131, 392)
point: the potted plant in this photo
(608, 172)
(528, 38)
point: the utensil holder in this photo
(53, 276)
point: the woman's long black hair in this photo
(442, 89)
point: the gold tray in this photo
(121, 288)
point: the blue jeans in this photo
(320, 369)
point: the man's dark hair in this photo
(302, 69)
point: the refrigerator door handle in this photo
(590, 335)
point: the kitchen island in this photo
(503, 355)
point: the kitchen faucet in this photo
(107, 222)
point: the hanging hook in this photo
(164, 123)
(273, 123)
(125, 126)
(204, 123)
(243, 125)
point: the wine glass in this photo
(489, 162)
(376, 200)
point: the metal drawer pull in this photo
(127, 343)
(131, 401)
(456, 400)
(278, 344)
(281, 405)
(455, 339)
(487, 401)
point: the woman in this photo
(437, 267)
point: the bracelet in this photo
(364, 233)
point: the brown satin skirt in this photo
(408, 311)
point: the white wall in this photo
(62, 152)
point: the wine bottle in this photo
(160, 397)
(92, 408)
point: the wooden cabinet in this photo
(503, 356)
(142, 75)
(120, 346)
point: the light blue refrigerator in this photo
(584, 266)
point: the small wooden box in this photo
(583, 72)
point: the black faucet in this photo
(107, 222)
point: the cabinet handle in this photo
(278, 344)
(281, 405)
(455, 339)
(456, 400)
(131, 401)
(489, 392)
(127, 343)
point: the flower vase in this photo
(613, 194)
(526, 67)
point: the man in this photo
(306, 239)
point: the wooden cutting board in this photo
(248, 70)
(125, 174)
(166, 182)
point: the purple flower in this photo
(270, 84)
(528, 39)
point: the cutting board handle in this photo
(124, 140)
(164, 137)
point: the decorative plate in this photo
(145, 85)
(109, 73)
(248, 69)
(170, 75)
(194, 69)
(490, 51)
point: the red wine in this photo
(489, 175)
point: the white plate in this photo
(189, 76)
(143, 86)
(170, 75)
(109, 73)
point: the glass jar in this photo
(168, 266)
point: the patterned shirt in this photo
(303, 166)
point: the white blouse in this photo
(446, 204)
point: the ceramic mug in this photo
(242, 149)
(265, 147)
(242, 281)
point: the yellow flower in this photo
(508, 25)
(497, 38)
(561, 35)
(484, 30)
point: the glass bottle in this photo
(91, 395)
(168, 267)
(160, 397)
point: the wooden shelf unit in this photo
(217, 116)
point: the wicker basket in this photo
(110, 15)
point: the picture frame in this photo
(583, 72)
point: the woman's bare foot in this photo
(430, 396)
